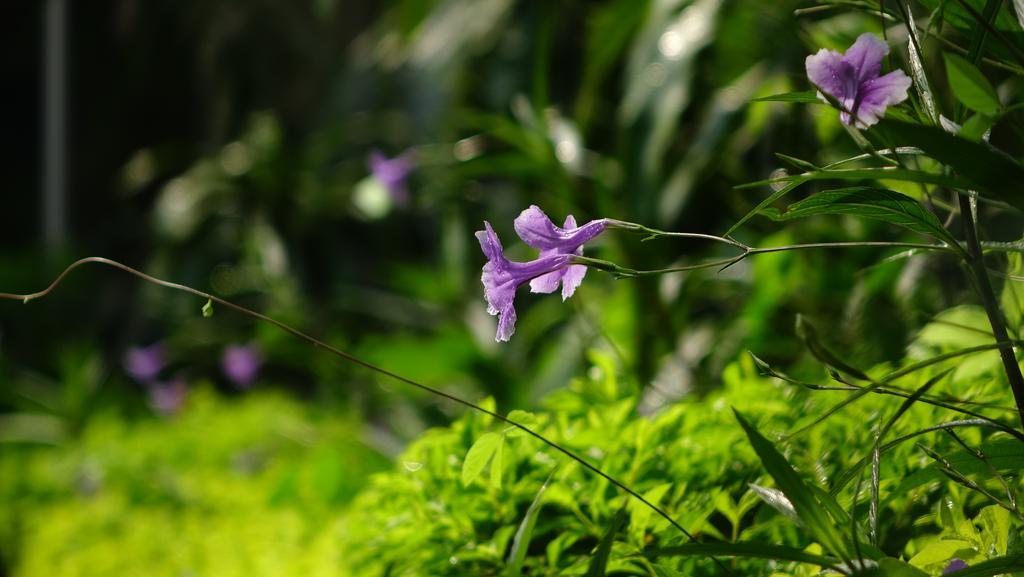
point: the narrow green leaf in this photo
(997, 566)
(809, 335)
(807, 507)
(873, 203)
(521, 541)
(476, 459)
(787, 187)
(747, 550)
(987, 170)
(970, 86)
(921, 85)
(797, 162)
(808, 97)
(599, 562)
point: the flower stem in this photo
(317, 343)
(988, 300)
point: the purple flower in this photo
(954, 565)
(853, 79)
(167, 398)
(501, 278)
(392, 173)
(241, 364)
(144, 363)
(537, 230)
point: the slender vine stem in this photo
(319, 344)
(988, 299)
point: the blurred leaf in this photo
(977, 127)
(806, 97)
(520, 543)
(479, 454)
(753, 550)
(814, 517)
(809, 335)
(970, 86)
(599, 562)
(873, 203)
(208, 309)
(997, 566)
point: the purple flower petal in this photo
(853, 79)
(954, 565)
(143, 364)
(880, 93)
(537, 230)
(501, 277)
(241, 364)
(866, 56)
(392, 172)
(167, 398)
(831, 75)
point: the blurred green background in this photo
(228, 145)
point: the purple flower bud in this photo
(167, 398)
(954, 566)
(853, 79)
(392, 173)
(537, 230)
(501, 277)
(241, 364)
(144, 363)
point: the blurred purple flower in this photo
(167, 398)
(392, 173)
(537, 230)
(241, 364)
(954, 565)
(853, 79)
(144, 363)
(501, 278)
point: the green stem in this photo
(988, 300)
(317, 343)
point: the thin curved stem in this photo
(625, 272)
(317, 343)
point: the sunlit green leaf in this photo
(478, 456)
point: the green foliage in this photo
(227, 487)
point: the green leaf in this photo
(970, 86)
(808, 97)
(809, 335)
(497, 463)
(521, 541)
(788, 183)
(874, 203)
(976, 127)
(742, 549)
(997, 566)
(476, 459)
(890, 567)
(208, 309)
(989, 171)
(599, 562)
(811, 512)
